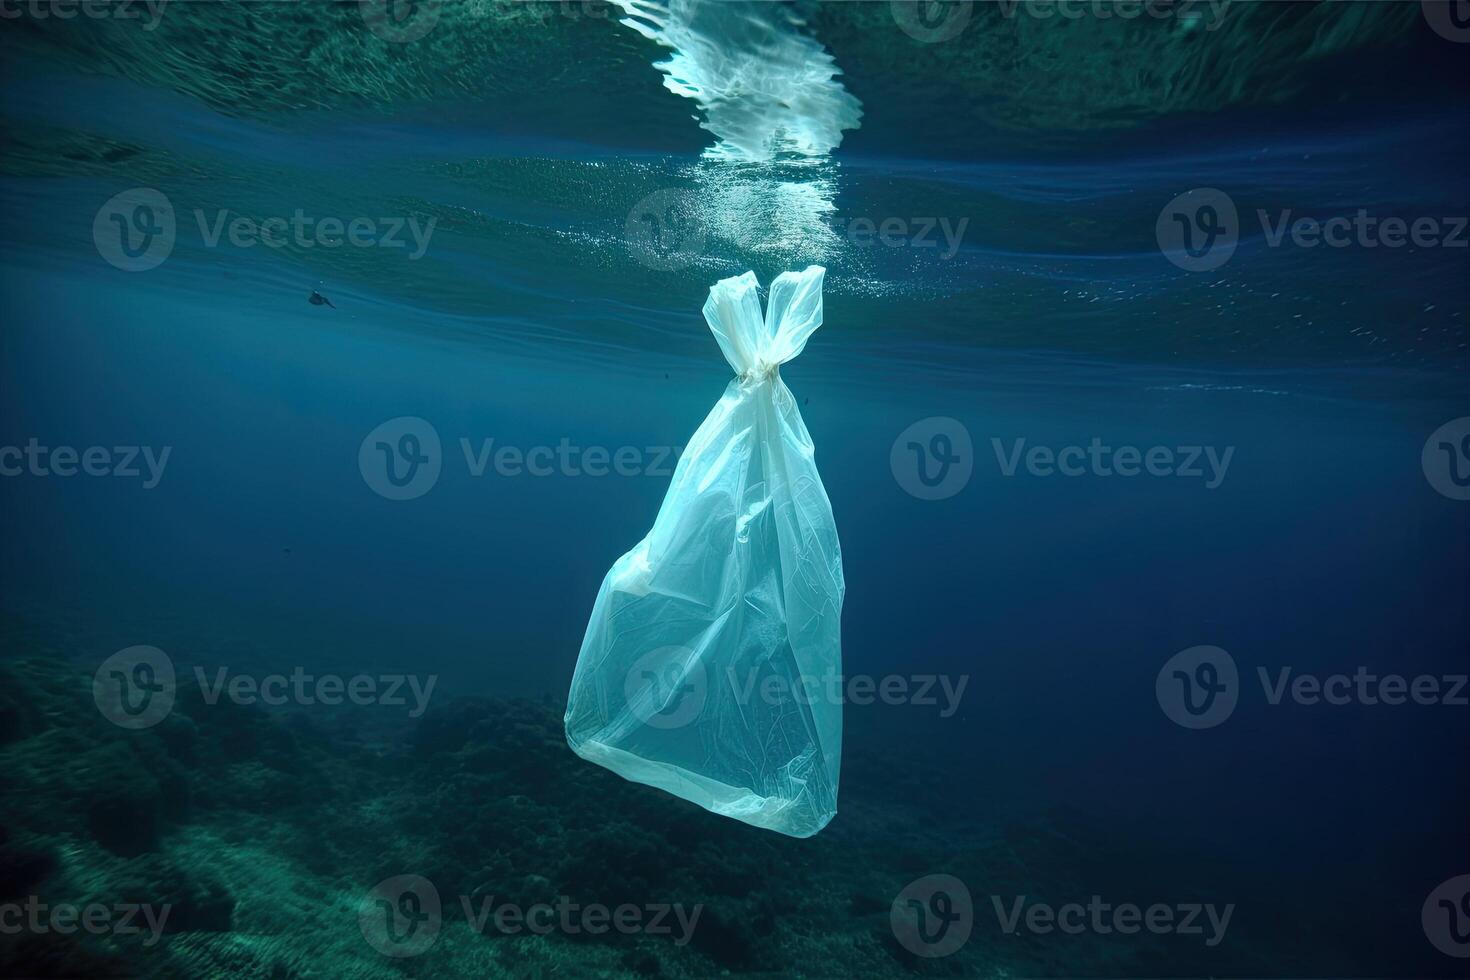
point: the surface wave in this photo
(767, 90)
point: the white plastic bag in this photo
(710, 660)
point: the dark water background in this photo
(530, 320)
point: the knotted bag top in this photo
(755, 345)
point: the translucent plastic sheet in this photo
(709, 637)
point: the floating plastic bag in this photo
(708, 664)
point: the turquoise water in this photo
(1015, 211)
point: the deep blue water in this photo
(1324, 547)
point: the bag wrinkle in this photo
(705, 637)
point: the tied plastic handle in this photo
(755, 345)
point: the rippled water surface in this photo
(1144, 335)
